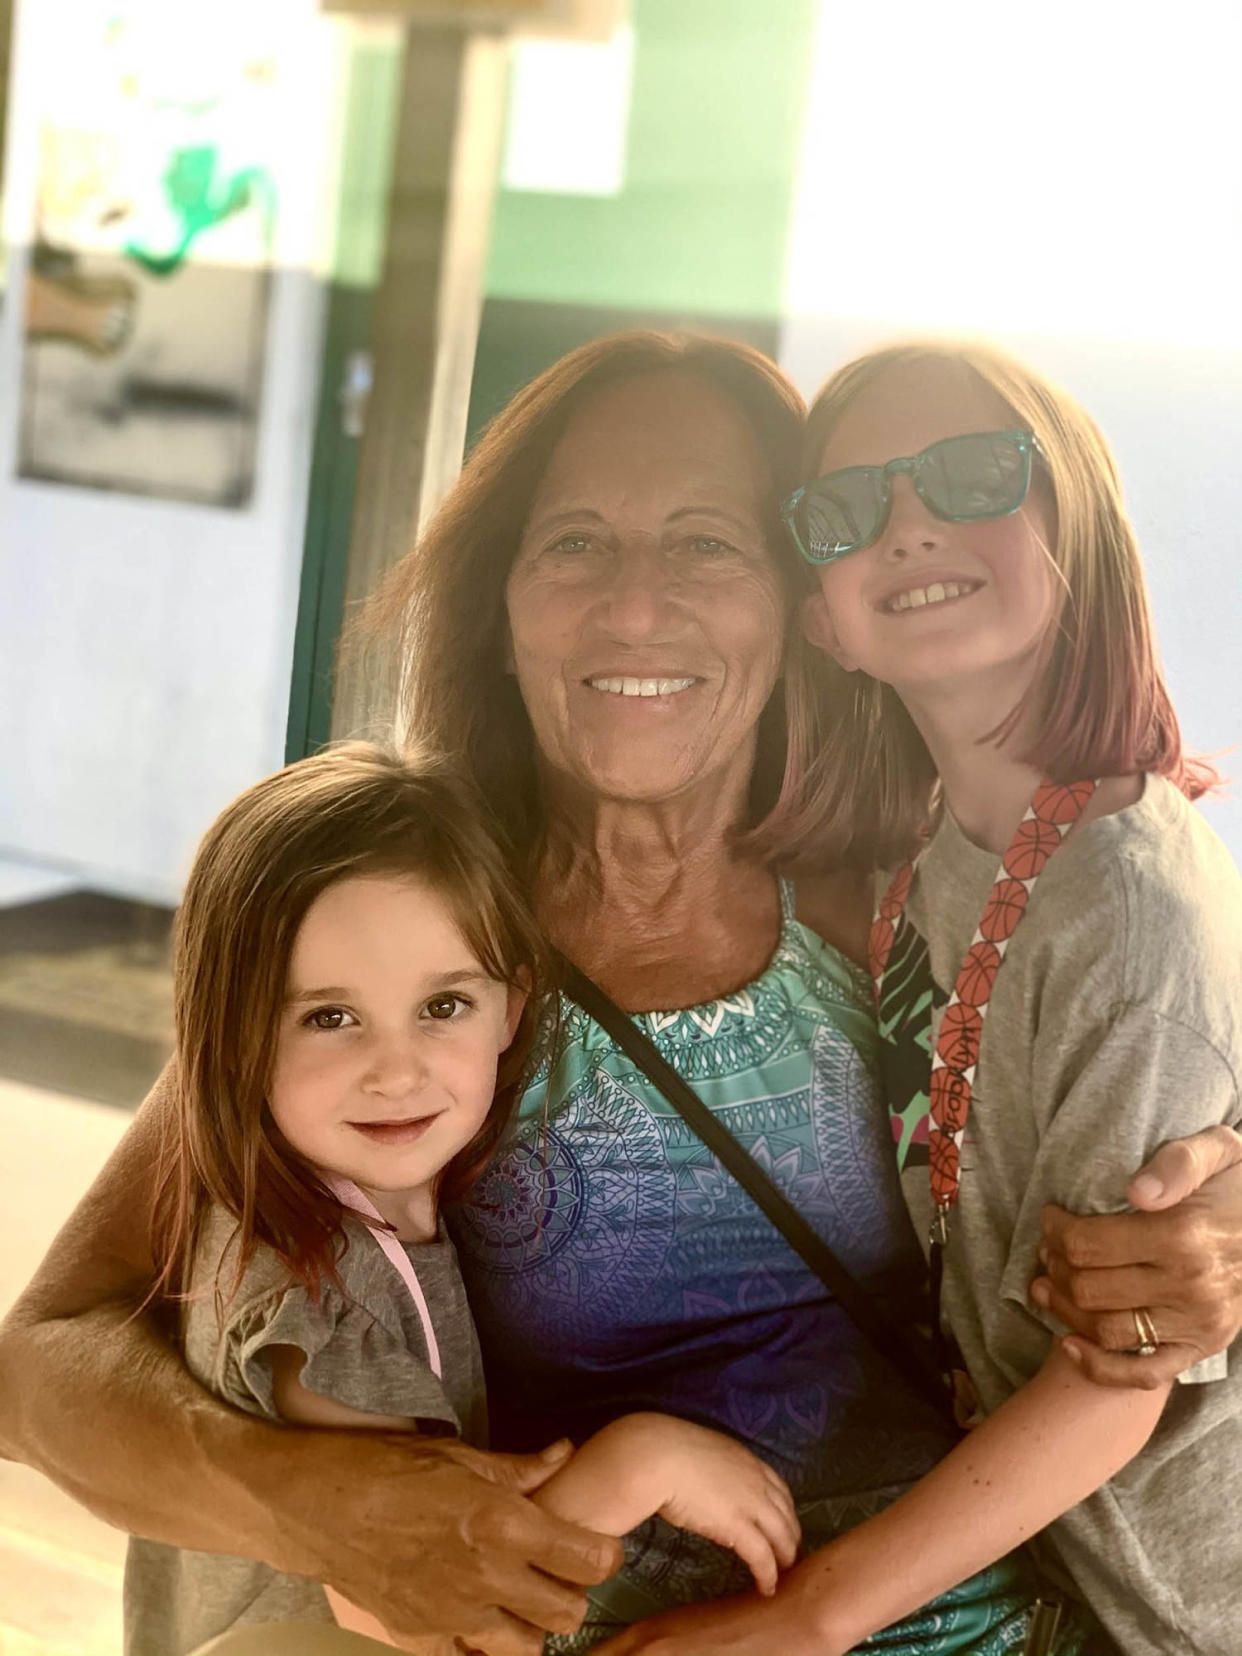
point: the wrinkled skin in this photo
(1179, 1257)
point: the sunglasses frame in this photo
(909, 465)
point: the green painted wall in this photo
(372, 93)
(372, 96)
(701, 223)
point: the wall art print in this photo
(148, 283)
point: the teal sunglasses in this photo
(961, 479)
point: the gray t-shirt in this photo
(1115, 1025)
(365, 1348)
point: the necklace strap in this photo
(357, 1202)
(1054, 809)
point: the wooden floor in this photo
(60, 1568)
(85, 995)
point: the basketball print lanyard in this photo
(1054, 809)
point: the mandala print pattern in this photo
(529, 1202)
(1053, 811)
(724, 1037)
(863, 1189)
(579, 1181)
(612, 1264)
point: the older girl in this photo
(1057, 975)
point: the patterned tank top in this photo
(613, 1265)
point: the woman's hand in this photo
(432, 1536)
(1179, 1258)
(744, 1626)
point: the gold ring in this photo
(1148, 1339)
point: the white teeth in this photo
(640, 687)
(936, 593)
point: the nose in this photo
(395, 1068)
(640, 591)
(912, 526)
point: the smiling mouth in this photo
(939, 592)
(394, 1132)
(640, 686)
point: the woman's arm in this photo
(307, 1408)
(1179, 1259)
(1051, 1444)
(98, 1399)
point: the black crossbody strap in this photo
(902, 1349)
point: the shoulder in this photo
(226, 1314)
(837, 906)
(1139, 918)
(218, 1296)
(1163, 885)
(266, 1275)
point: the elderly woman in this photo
(598, 625)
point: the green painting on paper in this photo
(155, 221)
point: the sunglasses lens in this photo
(841, 513)
(980, 476)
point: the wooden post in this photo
(426, 317)
(427, 309)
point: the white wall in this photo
(1068, 181)
(145, 645)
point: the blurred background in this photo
(268, 266)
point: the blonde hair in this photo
(352, 810)
(1105, 706)
(435, 634)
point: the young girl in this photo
(357, 983)
(1058, 979)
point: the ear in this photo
(817, 625)
(519, 994)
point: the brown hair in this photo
(352, 810)
(435, 633)
(1107, 708)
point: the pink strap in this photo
(350, 1197)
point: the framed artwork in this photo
(148, 284)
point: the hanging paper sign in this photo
(148, 282)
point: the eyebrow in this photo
(585, 514)
(574, 514)
(332, 991)
(337, 991)
(709, 511)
